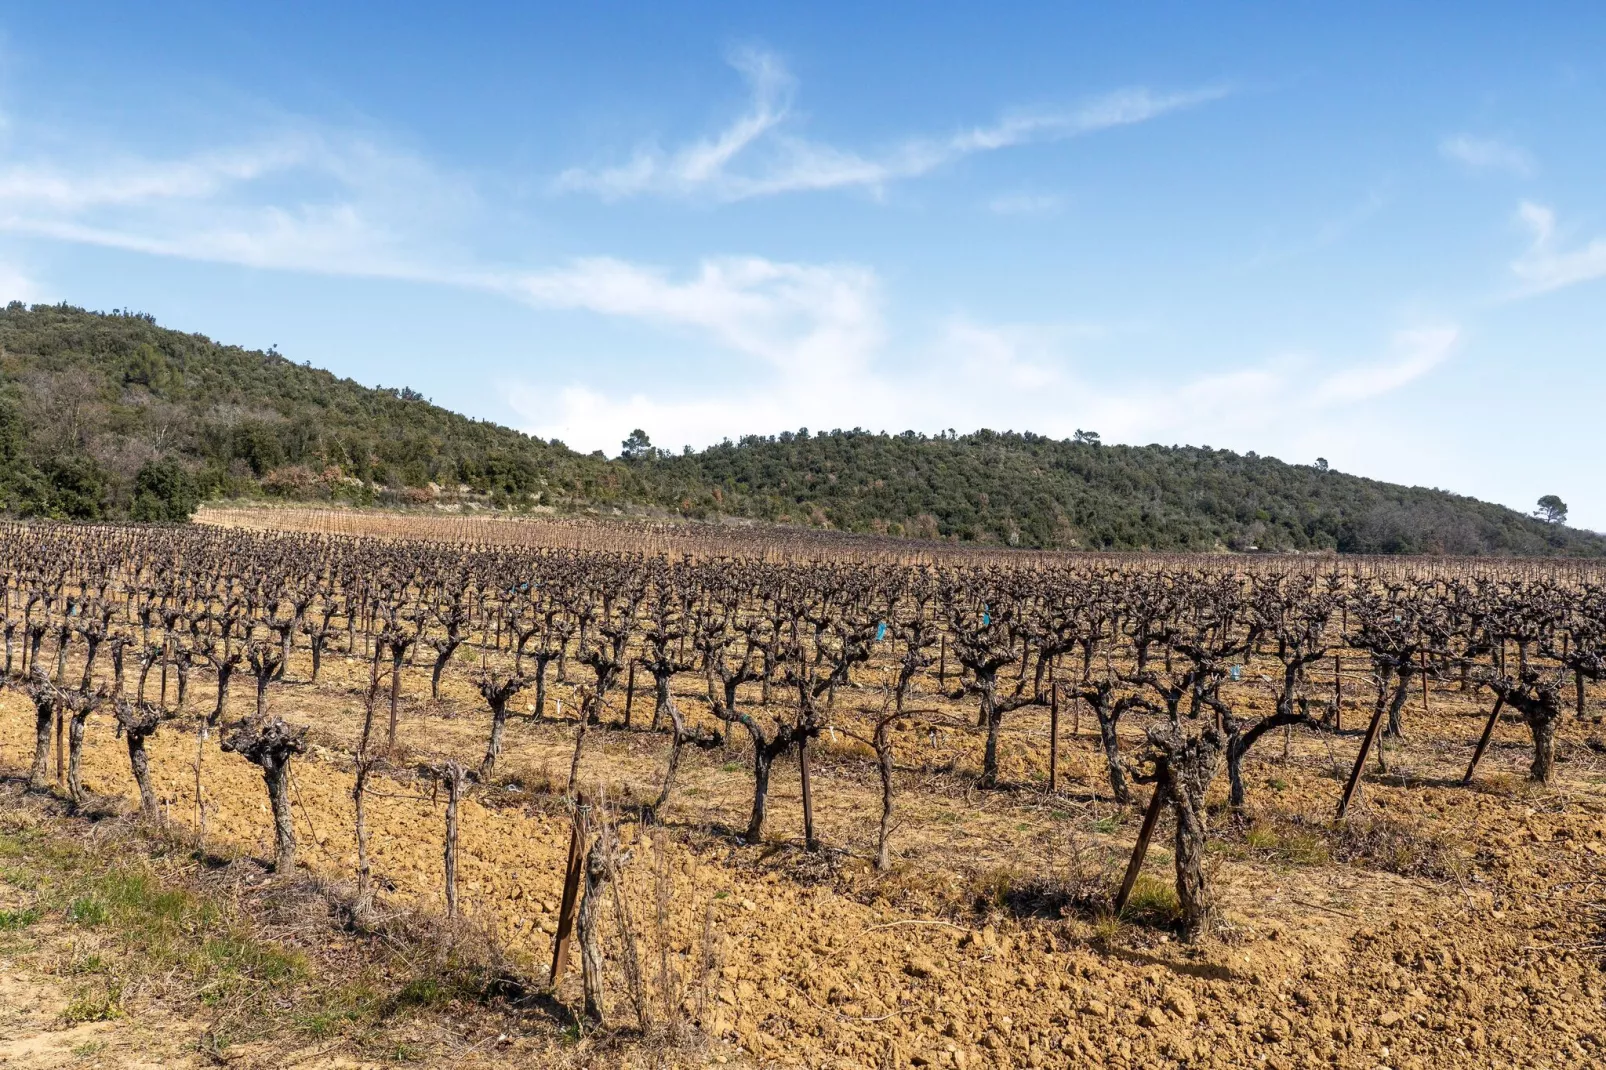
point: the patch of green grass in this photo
(88, 911)
(352, 1004)
(1106, 928)
(21, 879)
(157, 928)
(426, 991)
(947, 817)
(93, 1005)
(733, 767)
(1107, 825)
(88, 964)
(1153, 902)
(13, 920)
(89, 1049)
(1299, 846)
(991, 889)
(1277, 784)
(233, 959)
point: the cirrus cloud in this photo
(756, 156)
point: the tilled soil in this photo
(1448, 926)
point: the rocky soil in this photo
(1442, 927)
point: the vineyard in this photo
(848, 805)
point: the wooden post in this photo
(1141, 848)
(942, 661)
(571, 898)
(630, 693)
(1425, 707)
(1053, 738)
(809, 842)
(1360, 759)
(1338, 693)
(1483, 740)
(61, 761)
(454, 792)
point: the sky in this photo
(1370, 233)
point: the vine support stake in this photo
(571, 898)
(1483, 740)
(1338, 693)
(1150, 818)
(1053, 738)
(1360, 761)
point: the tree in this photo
(1552, 510)
(1321, 464)
(638, 447)
(164, 493)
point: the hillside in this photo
(113, 416)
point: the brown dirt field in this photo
(1447, 927)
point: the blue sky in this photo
(1372, 233)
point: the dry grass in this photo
(130, 920)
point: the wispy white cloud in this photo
(1414, 353)
(17, 285)
(301, 199)
(1544, 266)
(1025, 204)
(756, 156)
(822, 358)
(809, 329)
(1488, 154)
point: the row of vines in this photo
(1183, 664)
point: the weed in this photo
(1107, 825)
(89, 964)
(1153, 902)
(88, 912)
(427, 991)
(1287, 843)
(1106, 928)
(1396, 847)
(12, 920)
(100, 1005)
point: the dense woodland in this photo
(111, 416)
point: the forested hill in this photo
(110, 415)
